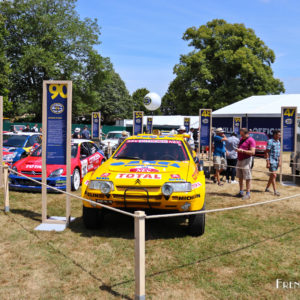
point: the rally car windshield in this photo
(14, 140)
(152, 150)
(114, 135)
(38, 151)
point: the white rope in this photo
(75, 196)
(220, 209)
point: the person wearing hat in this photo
(190, 140)
(219, 154)
(123, 137)
(76, 134)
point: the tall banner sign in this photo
(138, 117)
(149, 124)
(237, 125)
(289, 128)
(96, 125)
(56, 147)
(1, 141)
(187, 124)
(205, 123)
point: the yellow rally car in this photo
(148, 172)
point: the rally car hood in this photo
(149, 172)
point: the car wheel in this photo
(196, 224)
(92, 217)
(75, 180)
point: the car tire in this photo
(75, 183)
(196, 225)
(92, 217)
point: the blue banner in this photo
(149, 124)
(96, 117)
(237, 124)
(187, 124)
(205, 129)
(56, 143)
(289, 121)
(138, 122)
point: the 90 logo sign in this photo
(58, 89)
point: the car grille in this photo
(27, 182)
(31, 173)
(122, 188)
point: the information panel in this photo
(288, 128)
(205, 122)
(237, 125)
(149, 124)
(187, 124)
(138, 122)
(57, 110)
(96, 123)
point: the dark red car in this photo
(261, 140)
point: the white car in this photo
(112, 138)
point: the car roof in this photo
(79, 141)
(116, 131)
(23, 133)
(178, 137)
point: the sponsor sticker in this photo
(105, 175)
(175, 176)
(144, 169)
(138, 176)
(86, 182)
(196, 185)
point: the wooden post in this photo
(1, 141)
(139, 255)
(109, 150)
(6, 189)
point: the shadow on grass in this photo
(217, 255)
(121, 226)
(27, 214)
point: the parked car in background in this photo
(261, 140)
(85, 158)
(20, 143)
(17, 128)
(112, 138)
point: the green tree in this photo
(5, 70)
(48, 40)
(138, 99)
(228, 63)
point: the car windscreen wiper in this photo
(127, 157)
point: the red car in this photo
(7, 156)
(261, 140)
(86, 157)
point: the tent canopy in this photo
(258, 106)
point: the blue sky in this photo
(143, 38)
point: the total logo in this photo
(144, 169)
(138, 176)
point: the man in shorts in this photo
(245, 150)
(273, 156)
(219, 154)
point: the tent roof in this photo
(259, 105)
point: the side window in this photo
(84, 150)
(93, 148)
(189, 149)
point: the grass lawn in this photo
(240, 256)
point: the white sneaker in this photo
(234, 182)
(227, 181)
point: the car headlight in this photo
(56, 173)
(173, 187)
(104, 186)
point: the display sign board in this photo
(1, 141)
(289, 128)
(138, 117)
(96, 125)
(57, 125)
(149, 124)
(187, 124)
(237, 125)
(205, 122)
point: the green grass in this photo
(240, 256)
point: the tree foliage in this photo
(138, 99)
(228, 63)
(48, 40)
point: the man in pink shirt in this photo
(245, 150)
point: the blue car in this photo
(20, 144)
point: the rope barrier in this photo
(75, 196)
(220, 209)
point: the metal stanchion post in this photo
(6, 189)
(139, 254)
